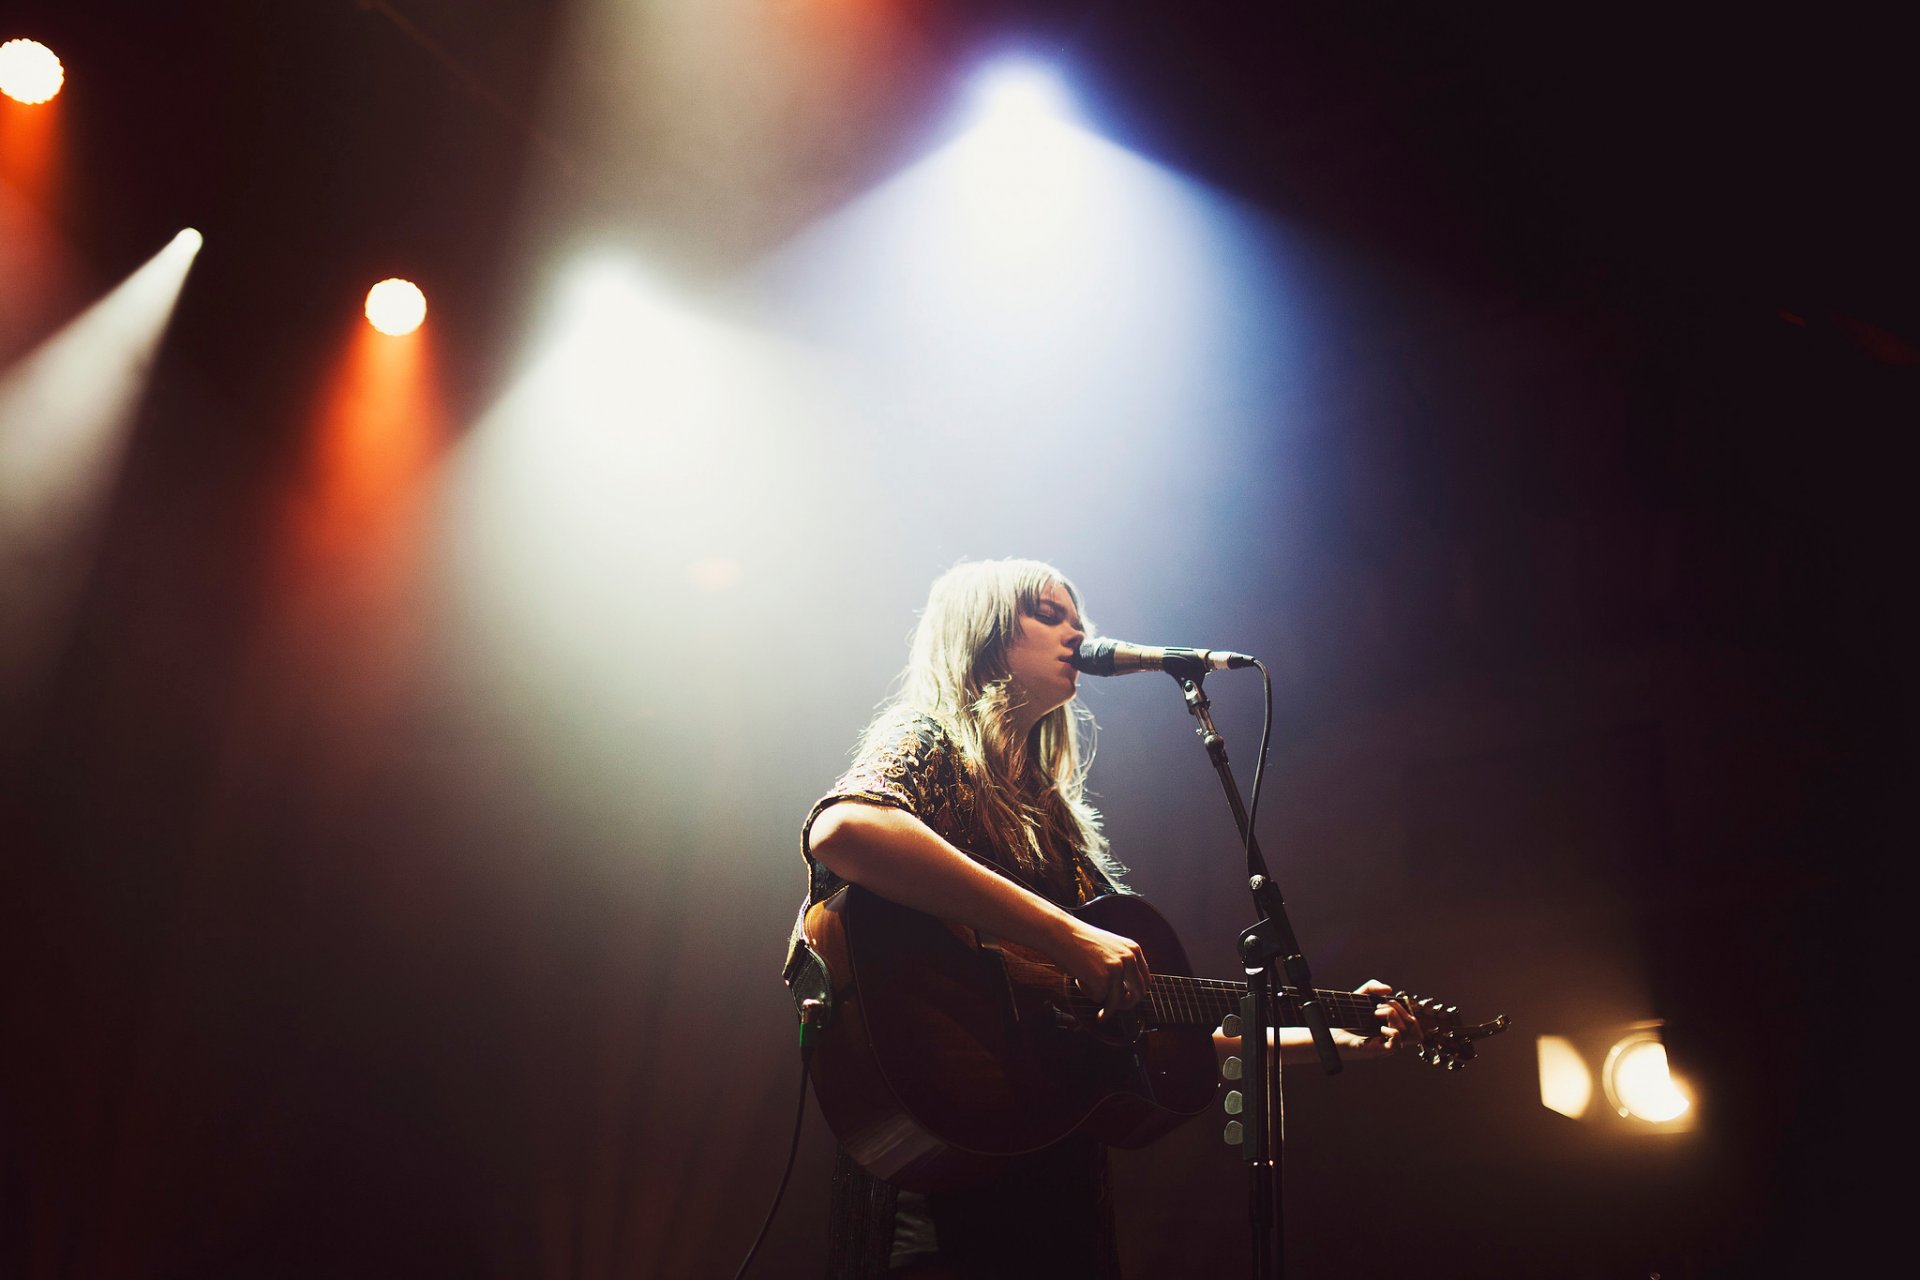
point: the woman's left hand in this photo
(1400, 1034)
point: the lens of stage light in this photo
(396, 307)
(29, 71)
(1638, 1083)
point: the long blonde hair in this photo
(1029, 793)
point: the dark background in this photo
(1586, 582)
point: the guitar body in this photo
(946, 1056)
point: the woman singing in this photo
(966, 801)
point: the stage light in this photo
(66, 414)
(1638, 1082)
(29, 72)
(1628, 1066)
(396, 307)
(1566, 1084)
(1028, 286)
(1021, 90)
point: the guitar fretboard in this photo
(1177, 1000)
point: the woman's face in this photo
(1040, 657)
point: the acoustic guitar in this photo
(944, 1053)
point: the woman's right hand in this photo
(1108, 967)
(894, 854)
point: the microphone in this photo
(1118, 658)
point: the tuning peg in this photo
(1231, 1068)
(1233, 1103)
(1234, 1134)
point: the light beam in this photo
(65, 414)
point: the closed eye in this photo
(1051, 615)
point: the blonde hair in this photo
(1029, 793)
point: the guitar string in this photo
(1181, 998)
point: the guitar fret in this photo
(1180, 1000)
(1184, 1000)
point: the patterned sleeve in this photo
(911, 769)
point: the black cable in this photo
(799, 1115)
(1259, 765)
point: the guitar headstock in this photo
(1447, 1041)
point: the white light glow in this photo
(1014, 92)
(396, 307)
(65, 412)
(714, 573)
(1639, 1084)
(622, 498)
(1036, 293)
(30, 72)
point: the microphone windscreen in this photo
(1095, 657)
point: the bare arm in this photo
(1401, 1033)
(892, 853)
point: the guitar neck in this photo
(1182, 1001)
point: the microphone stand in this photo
(1267, 949)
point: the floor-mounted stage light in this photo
(1627, 1067)
(1637, 1081)
(396, 307)
(29, 72)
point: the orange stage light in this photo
(349, 569)
(29, 144)
(396, 307)
(30, 72)
(379, 429)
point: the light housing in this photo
(1627, 1066)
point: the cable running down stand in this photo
(1271, 956)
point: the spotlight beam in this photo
(65, 412)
